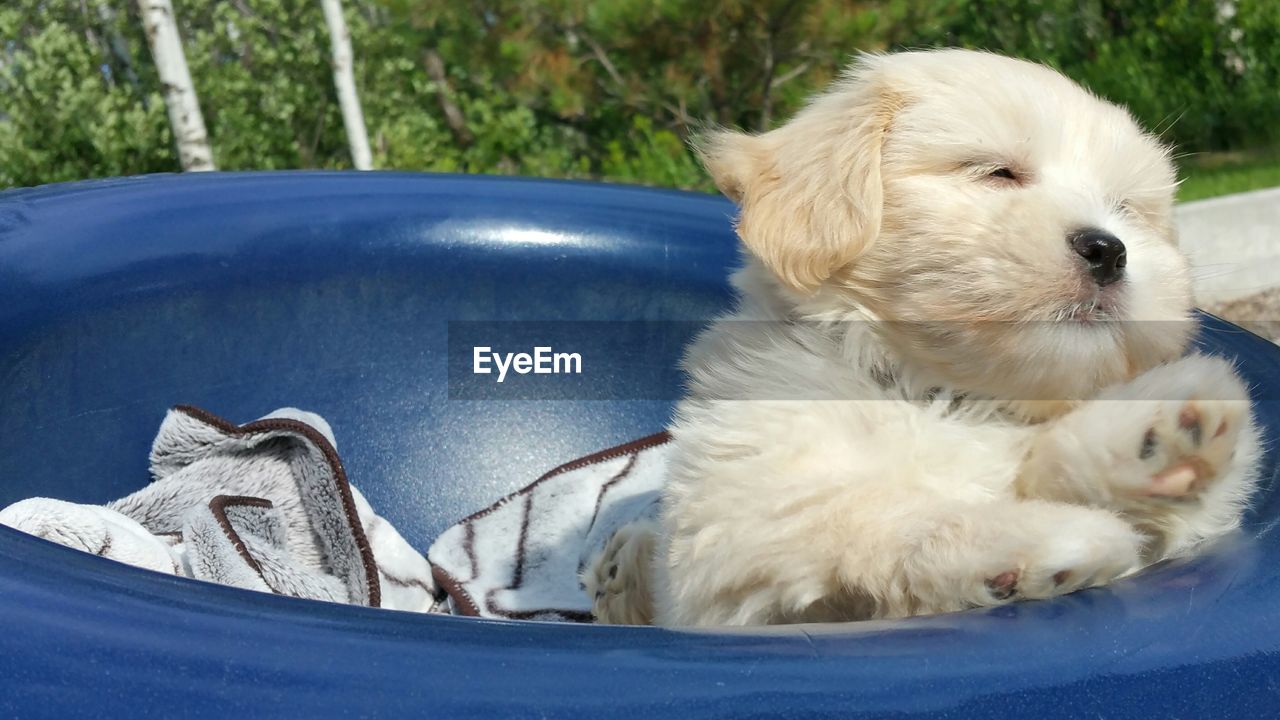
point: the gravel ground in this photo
(1259, 313)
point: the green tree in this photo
(574, 88)
(569, 88)
(614, 89)
(77, 95)
(1203, 74)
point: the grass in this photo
(1211, 174)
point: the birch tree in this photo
(189, 134)
(345, 83)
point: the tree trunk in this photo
(434, 65)
(345, 82)
(179, 95)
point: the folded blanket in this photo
(267, 506)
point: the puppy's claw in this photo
(1222, 430)
(1148, 445)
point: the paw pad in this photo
(1189, 420)
(1004, 585)
(1180, 454)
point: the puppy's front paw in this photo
(1186, 448)
(1186, 421)
(1146, 448)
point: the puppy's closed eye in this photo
(1004, 175)
(994, 173)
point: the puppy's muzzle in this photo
(1102, 251)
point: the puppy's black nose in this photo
(1103, 251)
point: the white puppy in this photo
(956, 374)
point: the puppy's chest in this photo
(930, 448)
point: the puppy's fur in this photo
(923, 401)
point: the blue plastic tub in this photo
(331, 292)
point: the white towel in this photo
(521, 557)
(265, 506)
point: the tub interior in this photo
(247, 294)
(338, 293)
(241, 294)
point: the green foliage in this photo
(650, 156)
(573, 88)
(262, 73)
(1202, 74)
(570, 88)
(1222, 174)
(613, 90)
(61, 116)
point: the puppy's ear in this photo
(810, 191)
(732, 158)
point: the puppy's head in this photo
(1012, 231)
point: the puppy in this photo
(956, 374)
